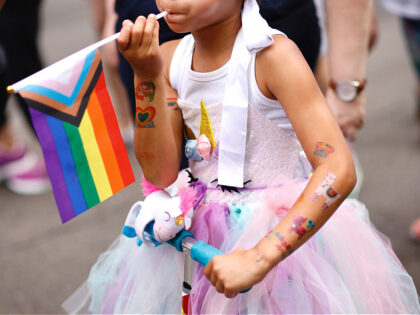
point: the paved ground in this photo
(42, 261)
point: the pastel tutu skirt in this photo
(346, 267)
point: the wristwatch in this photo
(347, 91)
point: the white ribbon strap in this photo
(254, 36)
(234, 118)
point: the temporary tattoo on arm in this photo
(326, 191)
(145, 90)
(144, 117)
(173, 103)
(323, 149)
(147, 155)
(300, 199)
(298, 225)
(283, 247)
(259, 259)
(310, 225)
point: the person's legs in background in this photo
(22, 169)
(104, 18)
(411, 30)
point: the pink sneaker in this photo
(28, 175)
(415, 230)
(10, 155)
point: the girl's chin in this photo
(177, 28)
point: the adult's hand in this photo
(349, 26)
(350, 115)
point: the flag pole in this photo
(16, 86)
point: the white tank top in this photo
(193, 86)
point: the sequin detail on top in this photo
(270, 151)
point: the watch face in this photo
(346, 91)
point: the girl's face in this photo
(191, 15)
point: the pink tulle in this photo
(346, 267)
(320, 277)
(209, 223)
(282, 194)
(148, 188)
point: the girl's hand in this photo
(236, 272)
(139, 44)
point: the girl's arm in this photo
(282, 73)
(158, 120)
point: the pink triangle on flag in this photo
(66, 81)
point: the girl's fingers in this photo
(155, 40)
(213, 279)
(230, 294)
(124, 38)
(148, 32)
(220, 287)
(137, 31)
(208, 270)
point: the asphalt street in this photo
(42, 261)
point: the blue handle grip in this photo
(202, 253)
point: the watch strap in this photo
(359, 86)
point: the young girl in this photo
(246, 96)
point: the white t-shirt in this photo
(404, 8)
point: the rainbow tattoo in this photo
(145, 90)
(144, 117)
(173, 103)
(323, 149)
(326, 191)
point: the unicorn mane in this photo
(188, 196)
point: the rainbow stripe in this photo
(82, 145)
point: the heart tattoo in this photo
(144, 117)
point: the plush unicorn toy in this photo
(170, 214)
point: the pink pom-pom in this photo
(148, 188)
(188, 196)
(203, 146)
